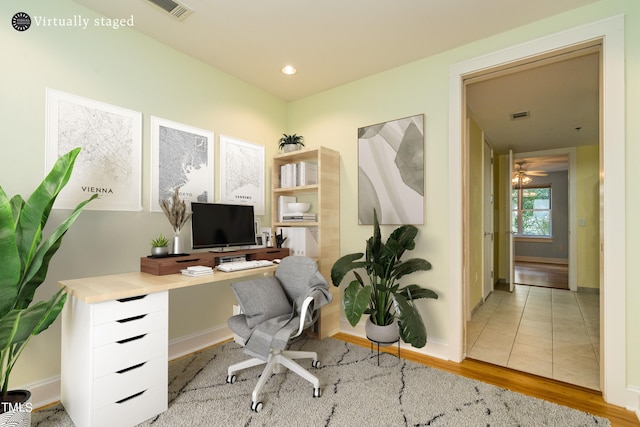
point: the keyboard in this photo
(243, 265)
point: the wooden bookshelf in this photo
(325, 203)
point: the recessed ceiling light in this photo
(289, 69)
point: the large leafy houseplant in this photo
(381, 296)
(24, 261)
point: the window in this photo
(531, 212)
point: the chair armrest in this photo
(303, 315)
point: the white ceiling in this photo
(333, 42)
(330, 42)
(562, 99)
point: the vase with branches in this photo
(176, 212)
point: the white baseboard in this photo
(191, 343)
(43, 392)
(434, 348)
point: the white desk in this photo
(114, 344)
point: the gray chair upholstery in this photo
(276, 309)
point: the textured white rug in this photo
(355, 392)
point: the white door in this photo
(487, 204)
(512, 275)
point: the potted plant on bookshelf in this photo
(25, 260)
(160, 246)
(176, 213)
(381, 297)
(290, 142)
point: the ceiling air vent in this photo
(520, 115)
(179, 11)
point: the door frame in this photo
(610, 33)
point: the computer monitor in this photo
(218, 225)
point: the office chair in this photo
(276, 309)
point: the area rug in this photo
(356, 391)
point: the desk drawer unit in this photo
(114, 360)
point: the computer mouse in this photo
(276, 261)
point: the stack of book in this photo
(197, 270)
(298, 217)
(298, 174)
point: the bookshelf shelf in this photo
(296, 224)
(325, 203)
(297, 190)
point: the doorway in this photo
(613, 258)
(546, 332)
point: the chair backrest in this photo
(298, 275)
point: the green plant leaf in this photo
(37, 207)
(10, 266)
(345, 264)
(410, 324)
(412, 292)
(410, 266)
(355, 301)
(36, 272)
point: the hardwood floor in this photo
(539, 274)
(558, 392)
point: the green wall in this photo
(588, 213)
(127, 69)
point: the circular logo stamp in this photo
(21, 21)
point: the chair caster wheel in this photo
(315, 364)
(231, 379)
(316, 392)
(256, 406)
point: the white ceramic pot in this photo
(384, 335)
(290, 147)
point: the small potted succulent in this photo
(160, 246)
(290, 142)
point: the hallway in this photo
(553, 333)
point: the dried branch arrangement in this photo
(176, 212)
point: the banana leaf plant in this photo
(381, 295)
(24, 261)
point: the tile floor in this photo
(553, 333)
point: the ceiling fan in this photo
(522, 176)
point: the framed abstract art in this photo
(391, 171)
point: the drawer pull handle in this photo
(188, 260)
(131, 368)
(131, 319)
(137, 297)
(133, 396)
(131, 339)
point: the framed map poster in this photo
(242, 173)
(181, 156)
(110, 160)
